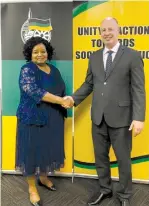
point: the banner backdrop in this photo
(134, 32)
(16, 30)
(86, 39)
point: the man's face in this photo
(109, 32)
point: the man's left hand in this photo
(137, 126)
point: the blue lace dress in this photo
(40, 146)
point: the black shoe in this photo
(124, 203)
(37, 203)
(98, 198)
(52, 188)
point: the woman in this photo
(40, 117)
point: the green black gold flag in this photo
(39, 24)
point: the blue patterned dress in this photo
(40, 125)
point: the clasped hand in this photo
(68, 102)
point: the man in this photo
(116, 77)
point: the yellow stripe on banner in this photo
(9, 143)
(139, 171)
(68, 146)
(49, 28)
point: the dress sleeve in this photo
(28, 84)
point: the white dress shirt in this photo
(105, 53)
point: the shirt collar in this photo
(114, 49)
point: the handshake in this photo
(67, 102)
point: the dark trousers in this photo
(121, 140)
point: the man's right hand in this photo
(68, 102)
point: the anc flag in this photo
(39, 24)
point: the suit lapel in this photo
(116, 59)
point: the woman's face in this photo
(39, 54)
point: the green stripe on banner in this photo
(10, 87)
(85, 6)
(91, 167)
(113, 164)
(39, 24)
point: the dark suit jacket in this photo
(120, 96)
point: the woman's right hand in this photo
(67, 102)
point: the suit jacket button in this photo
(105, 83)
(102, 94)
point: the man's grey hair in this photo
(109, 18)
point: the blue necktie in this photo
(108, 62)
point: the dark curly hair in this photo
(32, 42)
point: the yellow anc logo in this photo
(34, 27)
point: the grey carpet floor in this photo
(14, 192)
